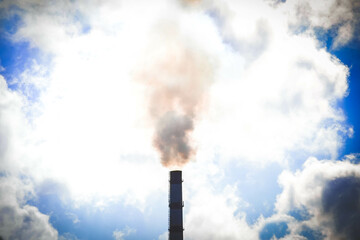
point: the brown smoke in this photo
(178, 76)
(171, 138)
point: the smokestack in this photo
(176, 205)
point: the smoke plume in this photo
(178, 75)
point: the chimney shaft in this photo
(175, 204)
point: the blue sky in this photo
(350, 56)
(256, 102)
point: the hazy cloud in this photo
(68, 236)
(120, 235)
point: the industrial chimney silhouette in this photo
(176, 205)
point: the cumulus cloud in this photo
(327, 194)
(12, 126)
(285, 84)
(17, 219)
(214, 216)
(340, 17)
(56, 114)
(230, 80)
(341, 202)
(242, 27)
(285, 79)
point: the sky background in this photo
(256, 101)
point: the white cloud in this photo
(68, 236)
(305, 186)
(91, 95)
(19, 220)
(210, 213)
(119, 235)
(12, 127)
(274, 92)
(164, 236)
(73, 217)
(213, 216)
(339, 16)
(289, 84)
(328, 191)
